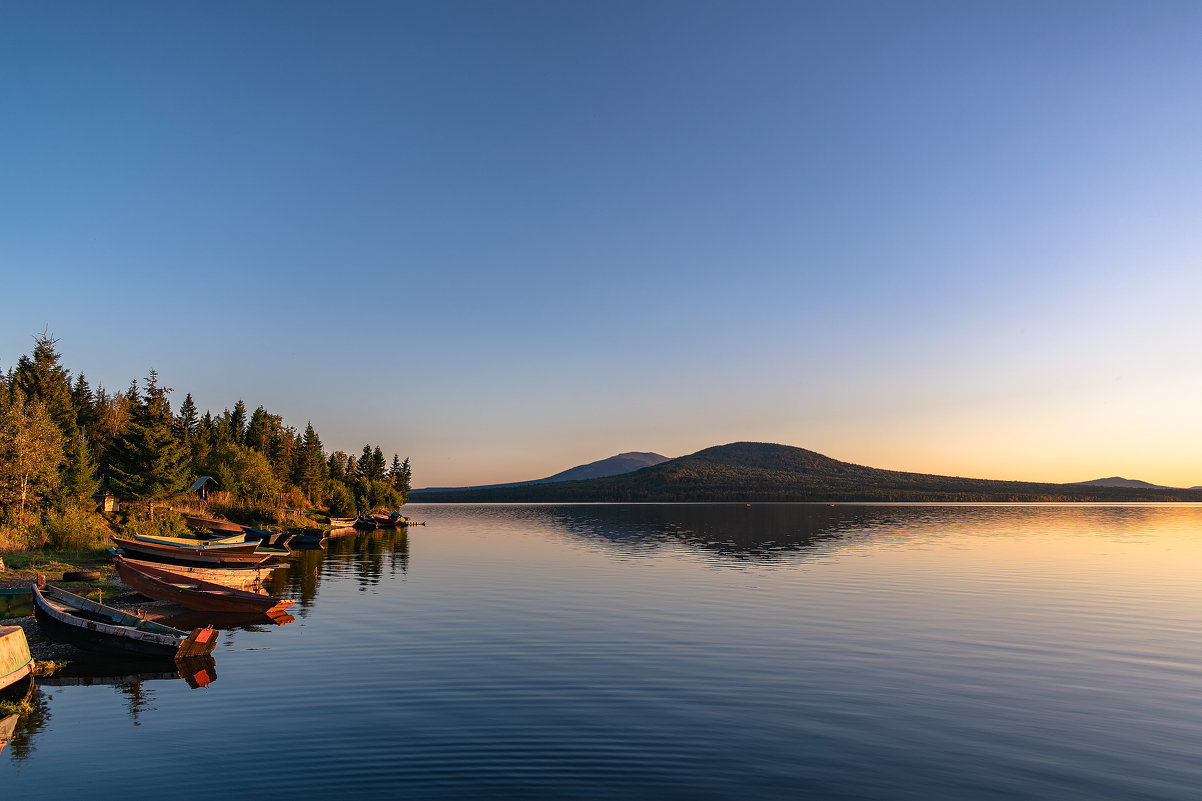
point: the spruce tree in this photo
(310, 470)
(378, 465)
(404, 479)
(186, 421)
(148, 461)
(238, 422)
(364, 464)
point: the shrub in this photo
(74, 529)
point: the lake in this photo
(691, 651)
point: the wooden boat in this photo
(187, 591)
(239, 578)
(236, 543)
(206, 556)
(274, 539)
(381, 520)
(342, 522)
(17, 602)
(211, 524)
(92, 626)
(15, 661)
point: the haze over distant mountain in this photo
(758, 471)
(1118, 481)
(602, 468)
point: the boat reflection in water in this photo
(132, 679)
(230, 621)
(196, 671)
(17, 729)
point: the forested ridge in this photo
(756, 471)
(61, 443)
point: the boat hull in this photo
(240, 578)
(190, 593)
(15, 660)
(211, 524)
(159, 551)
(91, 626)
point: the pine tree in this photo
(238, 423)
(187, 423)
(378, 465)
(404, 479)
(364, 464)
(79, 467)
(310, 470)
(84, 401)
(336, 466)
(40, 377)
(148, 461)
(261, 429)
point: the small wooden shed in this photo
(203, 485)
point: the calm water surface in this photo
(681, 651)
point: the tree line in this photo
(62, 442)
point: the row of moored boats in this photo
(219, 571)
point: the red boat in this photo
(240, 578)
(192, 593)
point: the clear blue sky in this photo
(505, 238)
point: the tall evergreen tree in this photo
(238, 422)
(79, 467)
(187, 422)
(336, 466)
(148, 461)
(402, 481)
(378, 465)
(310, 470)
(261, 429)
(41, 377)
(364, 463)
(84, 401)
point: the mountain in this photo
(613, 466)
(757, 471)
(1118, 481)
(602, 468)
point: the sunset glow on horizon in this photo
(505, 239)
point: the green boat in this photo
(15, 660)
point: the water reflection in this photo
(17, 730)
(368, 557)
(196, 671)
(736, 533)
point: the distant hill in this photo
(602, 468)
(757, 471)
(613, 466)
(1118, 481)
